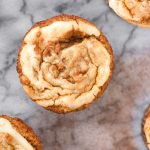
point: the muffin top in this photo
(137, 11)
(11, 139)
(63, 62)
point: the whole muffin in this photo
(64, 63)
(16, 135)
(133, 11)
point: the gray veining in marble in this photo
(114, 123)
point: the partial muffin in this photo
(146, 128)
(16, 135)
(133, 11)
(64, 63)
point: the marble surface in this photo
(114, 123)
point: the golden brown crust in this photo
(25, 131)
(102, 39)
(140, 24)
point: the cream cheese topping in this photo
(20, 143)
(70, 76)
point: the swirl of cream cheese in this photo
(11, 139)
(64, 63)
(135, 11)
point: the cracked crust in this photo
(136, 12)
(24, 130)
(81, 37)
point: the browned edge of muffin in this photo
(26, 131)
(140, 24)
(102, 39)
(146, 115)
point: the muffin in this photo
(16, 135)
(64, 63)
(146, 128)
(133, 11)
